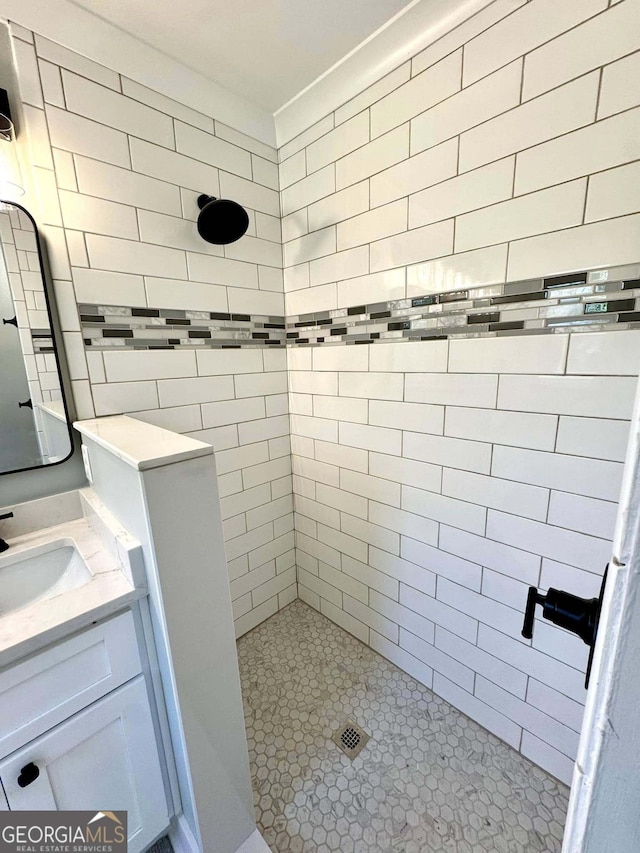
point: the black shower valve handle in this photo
(533, 598)
(575, 614)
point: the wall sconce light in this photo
(10, 174)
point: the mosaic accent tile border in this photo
(582, 301)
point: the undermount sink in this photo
(40, 573)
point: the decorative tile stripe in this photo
(109, 326)
(42, 340)
(587, 300)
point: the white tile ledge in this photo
(139, 444)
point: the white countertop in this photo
(139, 444)
(43, 622)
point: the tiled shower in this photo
(418, 366)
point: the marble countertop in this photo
(46, 621)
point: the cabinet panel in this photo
(103, 759)
(45, 689)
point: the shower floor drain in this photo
(350, 738)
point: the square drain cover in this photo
(350, 738)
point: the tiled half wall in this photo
(435, 480)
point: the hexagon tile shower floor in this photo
(429, 779)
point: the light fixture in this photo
(10, 174)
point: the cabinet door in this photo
(104, 758)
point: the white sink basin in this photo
(39, 573)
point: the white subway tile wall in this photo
(127, 165)
(481, 465)
(432, 482)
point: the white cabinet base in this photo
(104, 758)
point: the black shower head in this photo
(221, 220)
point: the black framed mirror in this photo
(35, 428)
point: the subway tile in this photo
(563, 709)
(376, 287)
(309, 189)
(255, 250)
(565, 546)
(315, 245)
(110, 253)
(321, 472)
(586, 477)
(403, 522)
(306, 137)
(519, 33)
(457, 389)
(316, 550)
(342, 140)
(373, 157)
(271, 510)
(402, 659)
(323, 429)
(108, 288)
(586, 515)
(343, 457)
(149, 364)
(343, 543)
(613, 193)
(561, 576)
(412, 621)
(518, 429)
(240, 457)
(165, 105)
(480, 607)
(483, 663)
(268, 228)
(347, 264)
(560, 111)
(114, 398)
(373, 534)
(607, 353)
(458, 272)
(477, 189)
(412, 246)
(256, 384)
(598, 244)
(437, 507)
(435, 84)
(184, 392)
(245, 500)
(341, 501)
(373, 93)
(593, 437)
(271, 587)
(110, 182)
(533, 720)
(372, 386)
(223, 271)
(547, 670)
(409, 357)
(204, 146)
(270, 550)
(379, 439)
(248, 193)
(346, 584)
(378, 489)
(27, 68)
(310, 382)
(252, 579)
(469, 107)
(64, 169)
(440, 612)
(244, 301)
(97, 215)
(402, 571)
(292, 169)
(246, 142)
(250, 620)
(408, 471)
(345, 621)
(308, 596)
(596, 42)
(439, 563)
(341, 408)
(294, 225)
(414, 173)
(514, 562)
(497, 723)
(550, 759)
(417, 417)
(225, 412)
(509, 355)
(517, 498)
(308, 300)
(438, 660)
(620, 87)
(115, 110)
(169, 293)
(598, 146)
(452, 452)
(82, 136)
(547, 210)
(568, 395)
(341, 358)
(175, 168)
(339, 206)
(266, 472)
(181, 419)
(373, 225)
(75, 62)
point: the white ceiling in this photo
(265, 50)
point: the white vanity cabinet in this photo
(88, 741)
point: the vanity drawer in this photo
(48, 687)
